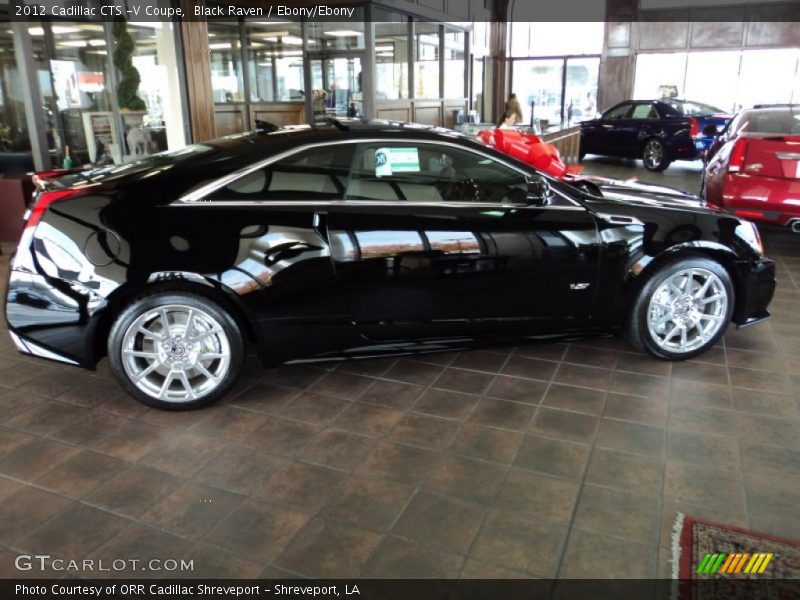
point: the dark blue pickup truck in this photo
(657, 131)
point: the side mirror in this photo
(710, 129)
(539, 192)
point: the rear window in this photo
(774, 120)
(162, 159)
(694, 109)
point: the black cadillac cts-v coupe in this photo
(356, 239)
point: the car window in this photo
(618, 112)
(694, 109)
(777, 120)
(314, 174)
(420, 172)
(644, 111)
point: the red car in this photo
(754, 171)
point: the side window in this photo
(618, 112)
(644, 111)
(412, 172)
(315, 174)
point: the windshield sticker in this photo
(396, 160)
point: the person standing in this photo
(512, 104)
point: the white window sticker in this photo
(396, 160)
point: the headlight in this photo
(748, 232)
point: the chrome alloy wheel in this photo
(687, 310)
(653, 154)
(176, 353)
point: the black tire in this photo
(702, 192)
(147, 304)
(638, 332)
(654, 155)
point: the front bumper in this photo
(755, 288)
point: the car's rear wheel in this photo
(175, 351)
(654, 155)
(682, 309)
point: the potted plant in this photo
(132, 107)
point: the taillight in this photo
(47, 199)
(694, 127)
(736, 162)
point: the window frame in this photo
(422, 145)
(198, 196)
(627, 114)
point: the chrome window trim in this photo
(333, 203)
(196, 196)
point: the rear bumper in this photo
(766, 199)
(756, 286)
(51, 319)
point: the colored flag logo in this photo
(731, 564)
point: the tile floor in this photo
(566, 460)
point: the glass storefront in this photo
(391, 58)
(730, 80)
(275, 61)
(275, 71)
(92, 114)
(426, 60)
(227, 76)
(454, 64)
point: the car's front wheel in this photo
(654, 155)
(682, 309)
(175, 351)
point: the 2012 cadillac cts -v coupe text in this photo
(357, 239)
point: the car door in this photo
(261, 237)
(434, 240)
(642, 123)
(602, 136)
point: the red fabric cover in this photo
(504, 137)
(487, 137)
(530, 149)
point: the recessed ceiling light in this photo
(220, 46)
(292, 40)
(343, 33)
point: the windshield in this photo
(694, 109)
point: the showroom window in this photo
(158, 126)
(731, 80)
(15, 143)
(275, 61)
(226, 62)
(427, 48)
(316, 174)
(431, 173)
(454, 64)
(555, 70)
(80, 76)
(391, 56)
(338, 36)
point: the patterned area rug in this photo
(713, 561)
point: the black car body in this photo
(659, 132)
(316, 248)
